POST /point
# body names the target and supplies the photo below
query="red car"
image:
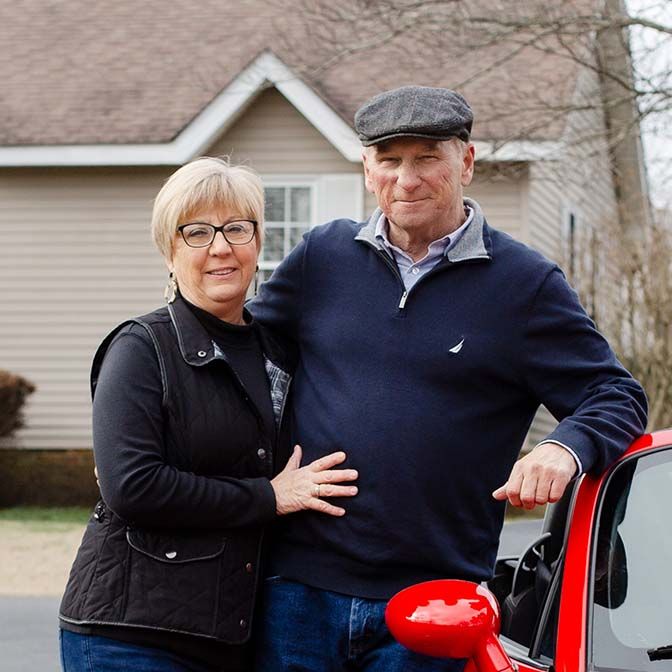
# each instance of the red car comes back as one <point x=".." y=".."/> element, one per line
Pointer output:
<point x="591" y="594"/>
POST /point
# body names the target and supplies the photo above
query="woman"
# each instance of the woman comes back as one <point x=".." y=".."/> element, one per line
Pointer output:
<point x="188" y="407"/>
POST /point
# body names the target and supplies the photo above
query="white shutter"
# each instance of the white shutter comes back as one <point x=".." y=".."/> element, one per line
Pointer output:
<point x="340" y="195"/>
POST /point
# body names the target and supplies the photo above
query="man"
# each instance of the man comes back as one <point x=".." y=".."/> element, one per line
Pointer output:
<point x="428" y="340"/>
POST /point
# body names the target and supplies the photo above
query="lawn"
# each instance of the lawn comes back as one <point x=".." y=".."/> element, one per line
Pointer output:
<point x="46" y="519"/>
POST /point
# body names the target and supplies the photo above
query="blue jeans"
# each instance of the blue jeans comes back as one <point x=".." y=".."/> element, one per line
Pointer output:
<point x="89" y="653"/>
<point x="304" y="629"/>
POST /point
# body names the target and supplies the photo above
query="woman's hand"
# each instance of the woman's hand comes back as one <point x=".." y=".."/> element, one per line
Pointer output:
<point x="298" y="488"/>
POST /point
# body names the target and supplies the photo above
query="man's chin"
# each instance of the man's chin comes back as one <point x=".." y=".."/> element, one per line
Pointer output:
<point x="408" y="220"/>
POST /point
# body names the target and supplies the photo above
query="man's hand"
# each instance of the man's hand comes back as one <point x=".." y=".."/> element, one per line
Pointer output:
<point x="539" y="477"/>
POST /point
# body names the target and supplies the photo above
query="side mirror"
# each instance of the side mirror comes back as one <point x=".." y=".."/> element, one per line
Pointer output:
<point x="449" y="619"/>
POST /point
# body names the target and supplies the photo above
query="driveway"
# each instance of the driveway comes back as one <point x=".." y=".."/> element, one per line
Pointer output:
<point x="28" y="634"/>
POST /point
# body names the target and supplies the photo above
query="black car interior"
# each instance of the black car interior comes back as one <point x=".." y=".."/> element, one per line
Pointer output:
<point x="522" y="584"/>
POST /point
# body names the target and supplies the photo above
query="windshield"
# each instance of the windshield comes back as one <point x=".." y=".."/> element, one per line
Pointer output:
<point x="632" y="572"/>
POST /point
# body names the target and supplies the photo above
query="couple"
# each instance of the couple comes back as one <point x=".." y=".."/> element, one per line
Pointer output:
<point x="425" y="342"/>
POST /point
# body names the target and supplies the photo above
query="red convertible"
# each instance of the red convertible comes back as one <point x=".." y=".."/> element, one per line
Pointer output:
<point x="591" y="594"/>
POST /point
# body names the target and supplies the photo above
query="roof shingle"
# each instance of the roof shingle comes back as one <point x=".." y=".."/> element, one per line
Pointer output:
<point x="77" y="72"/>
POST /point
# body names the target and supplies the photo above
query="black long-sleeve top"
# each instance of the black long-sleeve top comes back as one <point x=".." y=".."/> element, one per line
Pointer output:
<point x="125" y="400"/>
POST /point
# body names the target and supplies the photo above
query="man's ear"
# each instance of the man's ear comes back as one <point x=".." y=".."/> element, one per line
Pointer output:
<point x="468" y="163"/>
<point x="365" y="161"/>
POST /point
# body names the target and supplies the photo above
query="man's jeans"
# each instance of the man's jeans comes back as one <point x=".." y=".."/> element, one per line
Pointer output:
<point x="89" y="653"/>
<point x="304" y="629"/>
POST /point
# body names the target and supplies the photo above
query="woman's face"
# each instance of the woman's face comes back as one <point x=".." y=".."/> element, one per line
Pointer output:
<point x="215" y="278"/>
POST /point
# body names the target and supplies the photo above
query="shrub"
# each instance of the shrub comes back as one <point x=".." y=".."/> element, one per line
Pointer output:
<point x="13" y="392"/>
<point x="625" y="280"/>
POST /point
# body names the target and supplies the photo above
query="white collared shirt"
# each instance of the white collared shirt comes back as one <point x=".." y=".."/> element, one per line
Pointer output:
<point x="411" y="271"/>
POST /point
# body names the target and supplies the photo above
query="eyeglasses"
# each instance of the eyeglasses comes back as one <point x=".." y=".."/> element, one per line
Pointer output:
<point x="201" y="234"/>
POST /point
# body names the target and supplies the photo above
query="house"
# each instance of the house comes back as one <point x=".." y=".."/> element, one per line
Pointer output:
<point x="100" y="103"/>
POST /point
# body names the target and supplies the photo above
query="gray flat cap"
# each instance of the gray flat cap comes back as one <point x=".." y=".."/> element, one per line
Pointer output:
<point x="416" y="111"/>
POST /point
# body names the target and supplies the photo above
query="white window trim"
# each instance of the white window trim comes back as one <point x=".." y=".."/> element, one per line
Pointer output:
<point x="322" y="209"/>
<point x="290" y="182"/>
<point x="321" y="184"/>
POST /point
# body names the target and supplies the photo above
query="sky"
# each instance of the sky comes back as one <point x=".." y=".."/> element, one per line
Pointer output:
<point x="652" y="52"/>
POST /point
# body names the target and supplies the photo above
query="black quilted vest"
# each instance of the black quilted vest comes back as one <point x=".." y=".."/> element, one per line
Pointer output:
<point x="198" y="582"/>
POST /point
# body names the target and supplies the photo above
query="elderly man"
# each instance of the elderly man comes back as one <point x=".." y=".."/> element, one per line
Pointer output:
<point x="428" y="340"/>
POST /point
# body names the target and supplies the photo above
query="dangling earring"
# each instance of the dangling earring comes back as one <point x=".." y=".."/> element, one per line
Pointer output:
<point x="170" y="292"/>
<point x="256" y="279"/>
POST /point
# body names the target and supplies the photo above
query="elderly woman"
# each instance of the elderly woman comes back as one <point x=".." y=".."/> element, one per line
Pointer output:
<point x="188" y="410"/>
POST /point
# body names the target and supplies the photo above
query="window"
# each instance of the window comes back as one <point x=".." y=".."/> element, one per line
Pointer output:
<point x="581" y="257"/>
<point x="296" y="203"/>
<point x="631" y="568"/>
<point x="289" y="214"/>
<point x="570" y="243"/>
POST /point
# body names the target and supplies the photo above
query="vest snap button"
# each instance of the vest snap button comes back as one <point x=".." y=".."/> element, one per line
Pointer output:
<point x="261" y="453"/>
<point x="243" y="623"/>
<point x="202" y="353"/>
<point x="248" y="568"/>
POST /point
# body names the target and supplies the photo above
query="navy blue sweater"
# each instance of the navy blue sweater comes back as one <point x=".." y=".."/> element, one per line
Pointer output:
<point x="432" y="426"/>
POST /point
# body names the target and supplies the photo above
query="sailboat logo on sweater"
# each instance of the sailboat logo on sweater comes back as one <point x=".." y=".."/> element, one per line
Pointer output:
<point x="456" y="348"/>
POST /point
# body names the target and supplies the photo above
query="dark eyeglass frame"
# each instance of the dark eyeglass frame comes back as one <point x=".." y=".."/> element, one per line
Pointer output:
<point x="221" y="229"/>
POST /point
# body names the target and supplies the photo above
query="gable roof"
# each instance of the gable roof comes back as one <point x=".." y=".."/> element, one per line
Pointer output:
<point x="155" y="83"/>
<point x="213" y="120"/>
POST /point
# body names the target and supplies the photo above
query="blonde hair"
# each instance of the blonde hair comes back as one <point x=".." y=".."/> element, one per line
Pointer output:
<point x="203" y="184"/>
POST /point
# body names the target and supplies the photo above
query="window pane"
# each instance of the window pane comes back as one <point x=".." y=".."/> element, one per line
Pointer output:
<point x="274" y="248"/>
<point x="288" y="216"/>
<point x="295" y="235"/>
<point x="275" y="204"/>
<point x="631" y="585"/>
<point x="300" y="204"/>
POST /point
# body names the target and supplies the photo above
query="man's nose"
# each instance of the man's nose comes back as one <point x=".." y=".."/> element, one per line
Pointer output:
<point x="408" y="178"/>
<point x="219" y="244"/>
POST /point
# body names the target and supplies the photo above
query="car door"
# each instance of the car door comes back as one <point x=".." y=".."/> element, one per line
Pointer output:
<point x="605" y="603"/>
<point x="631" y="568"/>
<point x="616" y="584"/>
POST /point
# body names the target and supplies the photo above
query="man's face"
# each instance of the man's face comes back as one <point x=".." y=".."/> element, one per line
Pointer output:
<point x="418" y="182"/>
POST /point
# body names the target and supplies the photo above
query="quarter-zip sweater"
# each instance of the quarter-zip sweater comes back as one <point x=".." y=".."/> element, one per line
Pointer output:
<point x="431" y="393"/>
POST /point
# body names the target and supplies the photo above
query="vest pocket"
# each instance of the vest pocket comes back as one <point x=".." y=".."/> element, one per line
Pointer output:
<point x="173" y="578"/>
<point x="176" y="548"/>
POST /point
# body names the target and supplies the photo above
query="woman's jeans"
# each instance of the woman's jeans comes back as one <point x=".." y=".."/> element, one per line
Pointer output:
<point x="89" y="653"/>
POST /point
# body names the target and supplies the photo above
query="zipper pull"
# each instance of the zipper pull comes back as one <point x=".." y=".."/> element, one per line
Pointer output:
<point x="404" y="296"/>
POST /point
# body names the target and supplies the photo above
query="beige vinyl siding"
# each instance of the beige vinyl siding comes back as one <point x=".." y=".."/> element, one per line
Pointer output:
<point x="545" y="227"/>
<point x="75" y="259"/>
<point x="581" y="183"/>
<point x="546" y="209"/>
<point x="274" y="137"/>
<point x="500" y="192"/>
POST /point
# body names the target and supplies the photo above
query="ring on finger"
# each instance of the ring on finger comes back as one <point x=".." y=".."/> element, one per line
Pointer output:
<point x="316" y="492"/>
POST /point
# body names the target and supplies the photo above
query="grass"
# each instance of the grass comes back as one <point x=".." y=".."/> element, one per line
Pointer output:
<point x="64" y="515"/>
